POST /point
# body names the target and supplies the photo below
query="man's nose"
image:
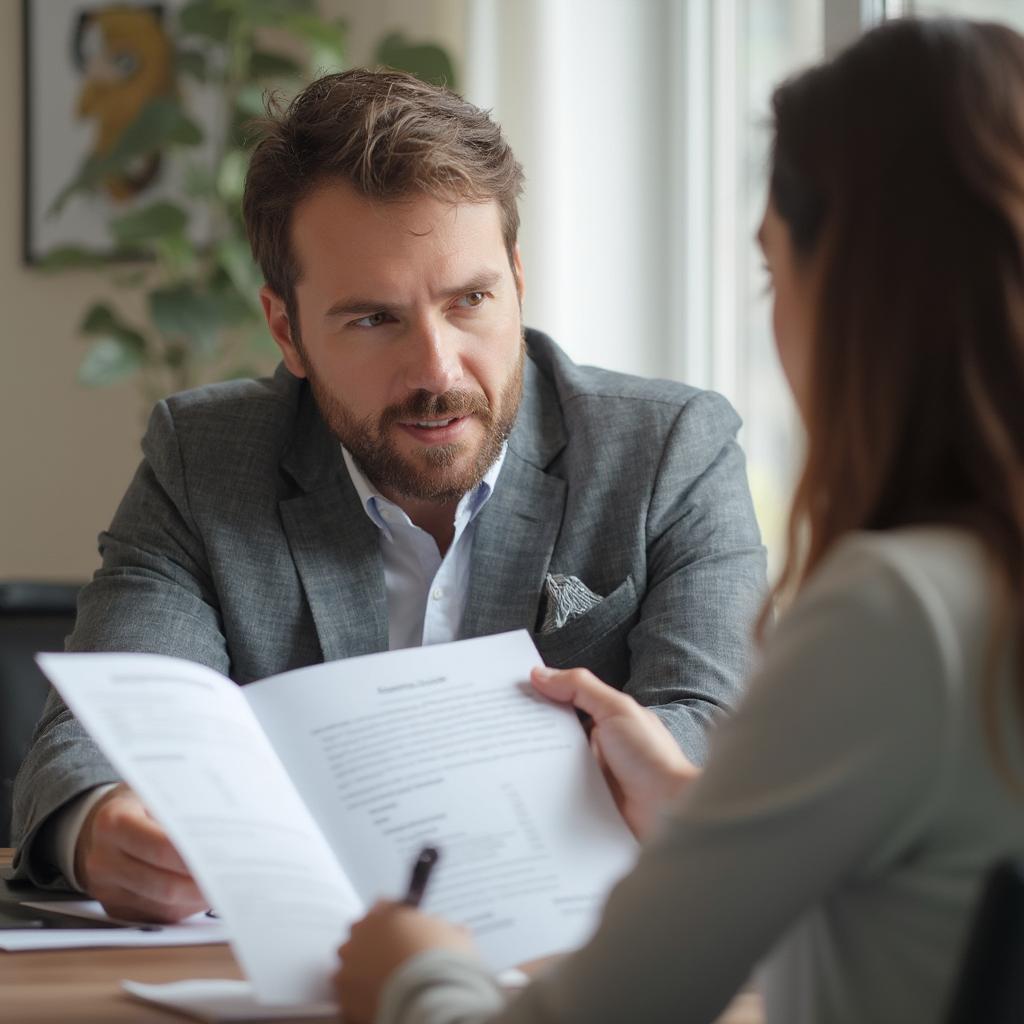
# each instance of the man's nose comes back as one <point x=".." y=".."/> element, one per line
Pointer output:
<point x="433" y="361"/>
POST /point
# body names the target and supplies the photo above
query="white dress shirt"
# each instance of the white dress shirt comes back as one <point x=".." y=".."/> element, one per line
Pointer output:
<point x="426" y="593"/>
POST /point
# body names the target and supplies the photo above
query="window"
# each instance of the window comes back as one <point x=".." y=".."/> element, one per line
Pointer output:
<point x="643" y="129"/>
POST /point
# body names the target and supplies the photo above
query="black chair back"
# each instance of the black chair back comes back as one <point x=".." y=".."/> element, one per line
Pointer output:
<point x="33" y="617"/>
<point x="990" y="989"/>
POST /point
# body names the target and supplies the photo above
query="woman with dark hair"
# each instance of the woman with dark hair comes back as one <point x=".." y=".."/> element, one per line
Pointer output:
<point x="850" y="809"/>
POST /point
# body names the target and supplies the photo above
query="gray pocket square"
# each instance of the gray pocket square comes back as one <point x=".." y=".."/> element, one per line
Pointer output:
<point x="565" y="598"/>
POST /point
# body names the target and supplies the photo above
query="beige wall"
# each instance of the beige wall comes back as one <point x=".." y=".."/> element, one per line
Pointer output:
<point x="67" y="453"/>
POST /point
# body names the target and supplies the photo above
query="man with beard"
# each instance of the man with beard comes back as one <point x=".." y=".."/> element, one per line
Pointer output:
<point x="419" y="469"/>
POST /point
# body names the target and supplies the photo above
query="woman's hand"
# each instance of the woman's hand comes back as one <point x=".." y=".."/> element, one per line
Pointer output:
<point x="390" y="934"/>
<point x="643" y="765"/>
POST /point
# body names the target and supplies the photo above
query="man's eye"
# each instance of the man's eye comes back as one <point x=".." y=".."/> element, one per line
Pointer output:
<point x="472" y="299"/>
<point x="373" y="320"/>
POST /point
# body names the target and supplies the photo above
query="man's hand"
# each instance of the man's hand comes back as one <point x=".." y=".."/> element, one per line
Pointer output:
<point x="124" y="859"/>
<point x="641" y="761"/>
<point x="390" y="934"/>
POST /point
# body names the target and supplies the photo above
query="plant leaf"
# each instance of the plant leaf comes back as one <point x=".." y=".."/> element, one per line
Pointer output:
<point x="108" y="360"/>
<point x="231" y="307"/>
<point x="249" y="101"/>
<point x="102" y="319"/>
<point x="263" y="64"/>
<point x="327" y="40"/>
<point x="181" y="313"/>
<point x="185" y="314"/>
<point x="176" y="252"/>
<point x="206" y="18"/>
<point x="149" y="222"/>
<point x="426" y="61"/>
<point x="191" y="62"/>
<point x="261" y="340"/>
<point x="235" y="257"/>
<point x="186" y="132"/>
<point x="231" y="176"/>
<point x="99" y="319"/>
<point x="270" y="12"/>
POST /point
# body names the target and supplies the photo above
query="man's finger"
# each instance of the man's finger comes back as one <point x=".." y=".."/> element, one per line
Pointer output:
<point x="139" y="836"/>
<point x="583" y="690"/>
<point x="129" y="906"/>
<point x="151" y="885"/>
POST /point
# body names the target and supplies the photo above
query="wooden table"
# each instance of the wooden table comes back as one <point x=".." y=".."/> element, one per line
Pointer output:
<point x="82" y="986"/>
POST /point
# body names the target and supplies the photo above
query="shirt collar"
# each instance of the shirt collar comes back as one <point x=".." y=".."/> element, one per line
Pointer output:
<point x="372" y="500"/>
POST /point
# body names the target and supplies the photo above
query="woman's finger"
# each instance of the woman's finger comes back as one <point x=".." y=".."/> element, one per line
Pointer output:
<point x="581" y="688"/>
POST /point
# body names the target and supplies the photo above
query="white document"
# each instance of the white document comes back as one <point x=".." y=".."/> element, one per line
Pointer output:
<point x="221" y="999"/>
<point x="217" y="1000"/>
<point x="445" y="745"/>
<point x="198" y="930"/>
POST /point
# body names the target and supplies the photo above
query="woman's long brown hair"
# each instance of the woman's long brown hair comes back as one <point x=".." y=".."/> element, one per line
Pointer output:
<point x="899" y="166"/>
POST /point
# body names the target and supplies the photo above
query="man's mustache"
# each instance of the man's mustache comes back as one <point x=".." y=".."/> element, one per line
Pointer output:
<point x="423" y="405"/>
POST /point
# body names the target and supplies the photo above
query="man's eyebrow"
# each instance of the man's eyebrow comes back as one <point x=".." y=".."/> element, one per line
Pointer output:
<point x="362" y="306"/>
<point x="348" y="307"/>
<point x="480" y="283"/>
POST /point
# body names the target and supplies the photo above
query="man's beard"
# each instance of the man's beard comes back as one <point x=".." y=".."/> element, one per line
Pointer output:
<point x="436" y="478"/>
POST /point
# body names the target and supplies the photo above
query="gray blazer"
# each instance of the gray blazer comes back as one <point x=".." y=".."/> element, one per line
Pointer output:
<point x="241" y="544"/>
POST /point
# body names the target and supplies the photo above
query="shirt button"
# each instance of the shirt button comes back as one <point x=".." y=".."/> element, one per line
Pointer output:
<point x="385" y="513"/>
<point x="437" y="593"/>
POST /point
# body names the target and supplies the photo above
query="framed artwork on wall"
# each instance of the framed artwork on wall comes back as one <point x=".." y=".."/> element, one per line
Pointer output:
<point x="91" y="68"/>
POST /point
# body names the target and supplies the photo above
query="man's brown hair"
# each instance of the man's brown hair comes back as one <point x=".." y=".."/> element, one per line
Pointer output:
<point x="386" y="134"/>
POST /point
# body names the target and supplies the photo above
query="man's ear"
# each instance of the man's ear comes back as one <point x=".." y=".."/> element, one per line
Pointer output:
<point x="281" y="330"/>
<point x="517" y="270"/>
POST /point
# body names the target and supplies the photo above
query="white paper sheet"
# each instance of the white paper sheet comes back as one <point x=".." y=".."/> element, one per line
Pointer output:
<point x="445" y="745"/>
<point x="449" y="745"/>
<point x="184" y="738"/>
<point x="198" y="930"/>
<point x="222" y="999"/>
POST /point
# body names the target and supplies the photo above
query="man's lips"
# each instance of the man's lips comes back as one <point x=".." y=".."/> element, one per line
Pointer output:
<point x="443" y="430"/>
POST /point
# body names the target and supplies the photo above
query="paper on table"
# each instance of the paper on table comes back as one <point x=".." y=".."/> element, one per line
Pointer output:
<point x="222" y="999"/>
<point x="92" y="910"/>
<point x="198" y="930"/>
<point x="184" y="738"/>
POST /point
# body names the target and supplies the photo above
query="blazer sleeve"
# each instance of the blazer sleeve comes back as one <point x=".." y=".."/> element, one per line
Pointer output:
<point x="153" y="594"/>
<point x="690" y="649"/>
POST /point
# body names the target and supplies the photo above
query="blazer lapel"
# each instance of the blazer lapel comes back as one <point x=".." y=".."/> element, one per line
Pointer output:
<point x="335" y="547"/>
<point x="514" y="536"/>
<point x="516" y="530"/>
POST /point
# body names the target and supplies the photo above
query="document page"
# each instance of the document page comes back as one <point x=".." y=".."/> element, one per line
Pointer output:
<point x="185" y="740"/>
<point x="449" y="745"/>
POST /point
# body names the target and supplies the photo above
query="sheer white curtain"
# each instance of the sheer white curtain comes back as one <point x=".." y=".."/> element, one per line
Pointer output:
<point x="581" y="87"/>
<point x="1009" y="12"/>
<point x="642" y="125"/>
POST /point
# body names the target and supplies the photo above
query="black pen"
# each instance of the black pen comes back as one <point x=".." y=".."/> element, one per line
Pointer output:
<point x="421" y="870"/>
